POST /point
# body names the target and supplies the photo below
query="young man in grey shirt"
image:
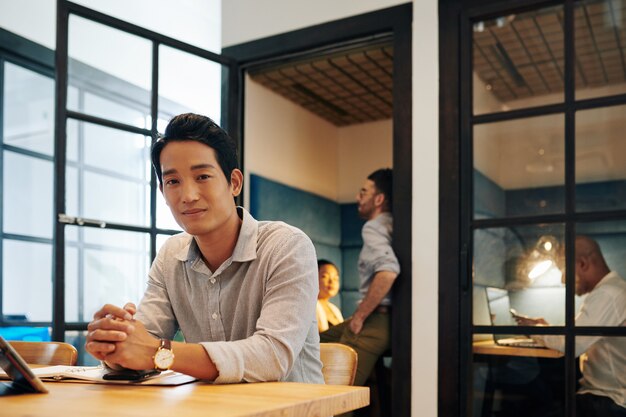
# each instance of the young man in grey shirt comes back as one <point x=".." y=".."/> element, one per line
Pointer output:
<point x="242" y="292"/>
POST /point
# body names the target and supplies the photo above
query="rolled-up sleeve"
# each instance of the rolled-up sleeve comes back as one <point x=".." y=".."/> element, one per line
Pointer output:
<point x="381" y="254"/>
<point x="287" y="315"/>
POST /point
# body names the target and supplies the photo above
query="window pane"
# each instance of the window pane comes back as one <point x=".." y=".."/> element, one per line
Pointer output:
<point x="603" y="273"/>
<point x="600" y="167"/>
<point x="28" y="202"/>
<point x="197" y="22"/>
<point x="600" y="30"/>
<point x="160" y="241"/>
<point x="165" y="219"/>
<point x="519" y="167"/>
<point x="188" y="83"/>
<point x="113" y="69"/>
<point x="511" y="385"/>
<point x="518" y="268"/>
<point x="28" y="109"/>
<point x="110" y="180"/>
<point x="116" y="200"/>
<point x="107" y="266"/>
<point x="518" y="61"/>
<point x="78" y="339"/>
<point x="27" y="285"/>
<point x="114" y="110"/>
<point x="116" y="151"/>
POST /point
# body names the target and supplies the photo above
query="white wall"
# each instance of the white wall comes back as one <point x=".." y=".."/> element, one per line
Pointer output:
<point x="32" y="19"/>
<point x="245" y="20"/>
<point x="286" y="143"/>
<point x="363" y="148"/>
<point x="193" y="21"/>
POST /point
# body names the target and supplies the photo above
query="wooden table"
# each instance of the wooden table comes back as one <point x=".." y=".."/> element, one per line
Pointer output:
<point x="267" y="399"/>
<point x="489" y="347"/>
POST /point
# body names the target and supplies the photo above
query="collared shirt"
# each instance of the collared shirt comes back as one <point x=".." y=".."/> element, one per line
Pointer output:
<point x="603" y="360"/>
<point x="255" y="315"/>
<point x="377" y="254"/>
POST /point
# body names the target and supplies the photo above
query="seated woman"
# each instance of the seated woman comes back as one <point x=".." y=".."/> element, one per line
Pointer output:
<point x="327" y="313"/>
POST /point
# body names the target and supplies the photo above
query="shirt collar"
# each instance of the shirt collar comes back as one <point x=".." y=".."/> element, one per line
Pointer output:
<point x="245" y="249"/>
<point x="608" y="277"/>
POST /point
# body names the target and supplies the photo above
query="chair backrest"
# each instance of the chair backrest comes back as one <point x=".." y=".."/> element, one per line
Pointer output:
<point x="339" y="363"/>
<point x="46" y="353"/>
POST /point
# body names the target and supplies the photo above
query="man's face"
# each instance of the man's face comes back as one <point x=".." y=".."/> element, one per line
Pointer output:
<point x="366" y="199"/>
<point x="195" y="187"/>
<point x="329" y="281"/>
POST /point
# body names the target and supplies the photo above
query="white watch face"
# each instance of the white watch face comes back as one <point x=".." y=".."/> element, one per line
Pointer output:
<point x="164" y="359"/>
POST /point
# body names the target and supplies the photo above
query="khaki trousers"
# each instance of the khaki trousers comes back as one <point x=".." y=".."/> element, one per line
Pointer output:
<point x="370" y="343"/>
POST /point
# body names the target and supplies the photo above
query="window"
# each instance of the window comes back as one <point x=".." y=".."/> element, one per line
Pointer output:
<point x="540" y="148"/>
<point x="81" y="215"/>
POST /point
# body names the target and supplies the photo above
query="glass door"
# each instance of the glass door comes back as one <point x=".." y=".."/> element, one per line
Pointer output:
<point x="544" y="191"/>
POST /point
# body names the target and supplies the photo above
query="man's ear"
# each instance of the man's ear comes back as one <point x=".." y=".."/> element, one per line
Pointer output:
<point x="236" y="182"/>
<point x="582" y="263"/>
<point x="379" y="199"/>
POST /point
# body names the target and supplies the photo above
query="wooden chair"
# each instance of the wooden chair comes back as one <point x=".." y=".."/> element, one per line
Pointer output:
<point x="46" y="353"/>
<point x="339" y="363"/>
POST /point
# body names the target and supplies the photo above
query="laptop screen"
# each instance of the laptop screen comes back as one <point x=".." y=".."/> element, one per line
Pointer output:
<point x="499" y="304"/>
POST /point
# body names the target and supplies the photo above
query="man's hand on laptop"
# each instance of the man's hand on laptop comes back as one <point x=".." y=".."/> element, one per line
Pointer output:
<point x="530" y="321"/>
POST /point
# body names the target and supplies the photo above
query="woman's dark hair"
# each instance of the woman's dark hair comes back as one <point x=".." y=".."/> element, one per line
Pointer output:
<point x="190" y="126"/>
<point x="322" y="262"/>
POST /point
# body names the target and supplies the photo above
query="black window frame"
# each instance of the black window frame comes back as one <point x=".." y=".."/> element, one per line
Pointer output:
<point x="54" y="64"/>
<point x="457" y="222"/>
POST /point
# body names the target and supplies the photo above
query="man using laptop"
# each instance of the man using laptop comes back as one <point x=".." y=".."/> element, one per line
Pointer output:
<point x="603" y="360"/>
<point x="242" y="292"/>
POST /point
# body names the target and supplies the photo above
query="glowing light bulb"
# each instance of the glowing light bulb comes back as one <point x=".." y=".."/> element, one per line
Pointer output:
<point x="539" y="269"/>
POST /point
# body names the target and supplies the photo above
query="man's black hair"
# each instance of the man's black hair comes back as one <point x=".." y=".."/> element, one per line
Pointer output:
<point x="383" y="180"/>
<point x="190" y="126"/>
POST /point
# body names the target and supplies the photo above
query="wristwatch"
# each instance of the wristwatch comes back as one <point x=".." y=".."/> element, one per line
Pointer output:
<point x="164" y="356"/>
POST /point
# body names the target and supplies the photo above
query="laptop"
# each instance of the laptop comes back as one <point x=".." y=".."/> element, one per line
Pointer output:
<point x="499" y="306"/>
<point x="23" y="379"/>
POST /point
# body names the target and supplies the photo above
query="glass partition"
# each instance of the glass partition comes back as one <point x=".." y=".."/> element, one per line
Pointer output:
<point x="110" y="181"/>
<point x="188" y="83"/>
<point x="519" y="269"/>
<point x="600" y="30"/>
<point x="112" y="70"/>
<point x="600" y="166"/>
<point x="518" y="60"/>
<point x="104" y="266"/>
<point x="519" y="167"/>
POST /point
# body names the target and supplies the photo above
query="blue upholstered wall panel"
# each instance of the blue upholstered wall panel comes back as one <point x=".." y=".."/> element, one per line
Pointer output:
<point x="326" y="222"/>
<point x="318" y="217"/>
<point x="605" y="195"/>
<point x="351" y="225"/>
<point x="489" y="198"/>
<point x="351" y="243"/>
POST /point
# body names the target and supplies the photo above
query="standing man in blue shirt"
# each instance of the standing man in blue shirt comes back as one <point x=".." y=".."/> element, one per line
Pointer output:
<point x="368" y="330"/>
